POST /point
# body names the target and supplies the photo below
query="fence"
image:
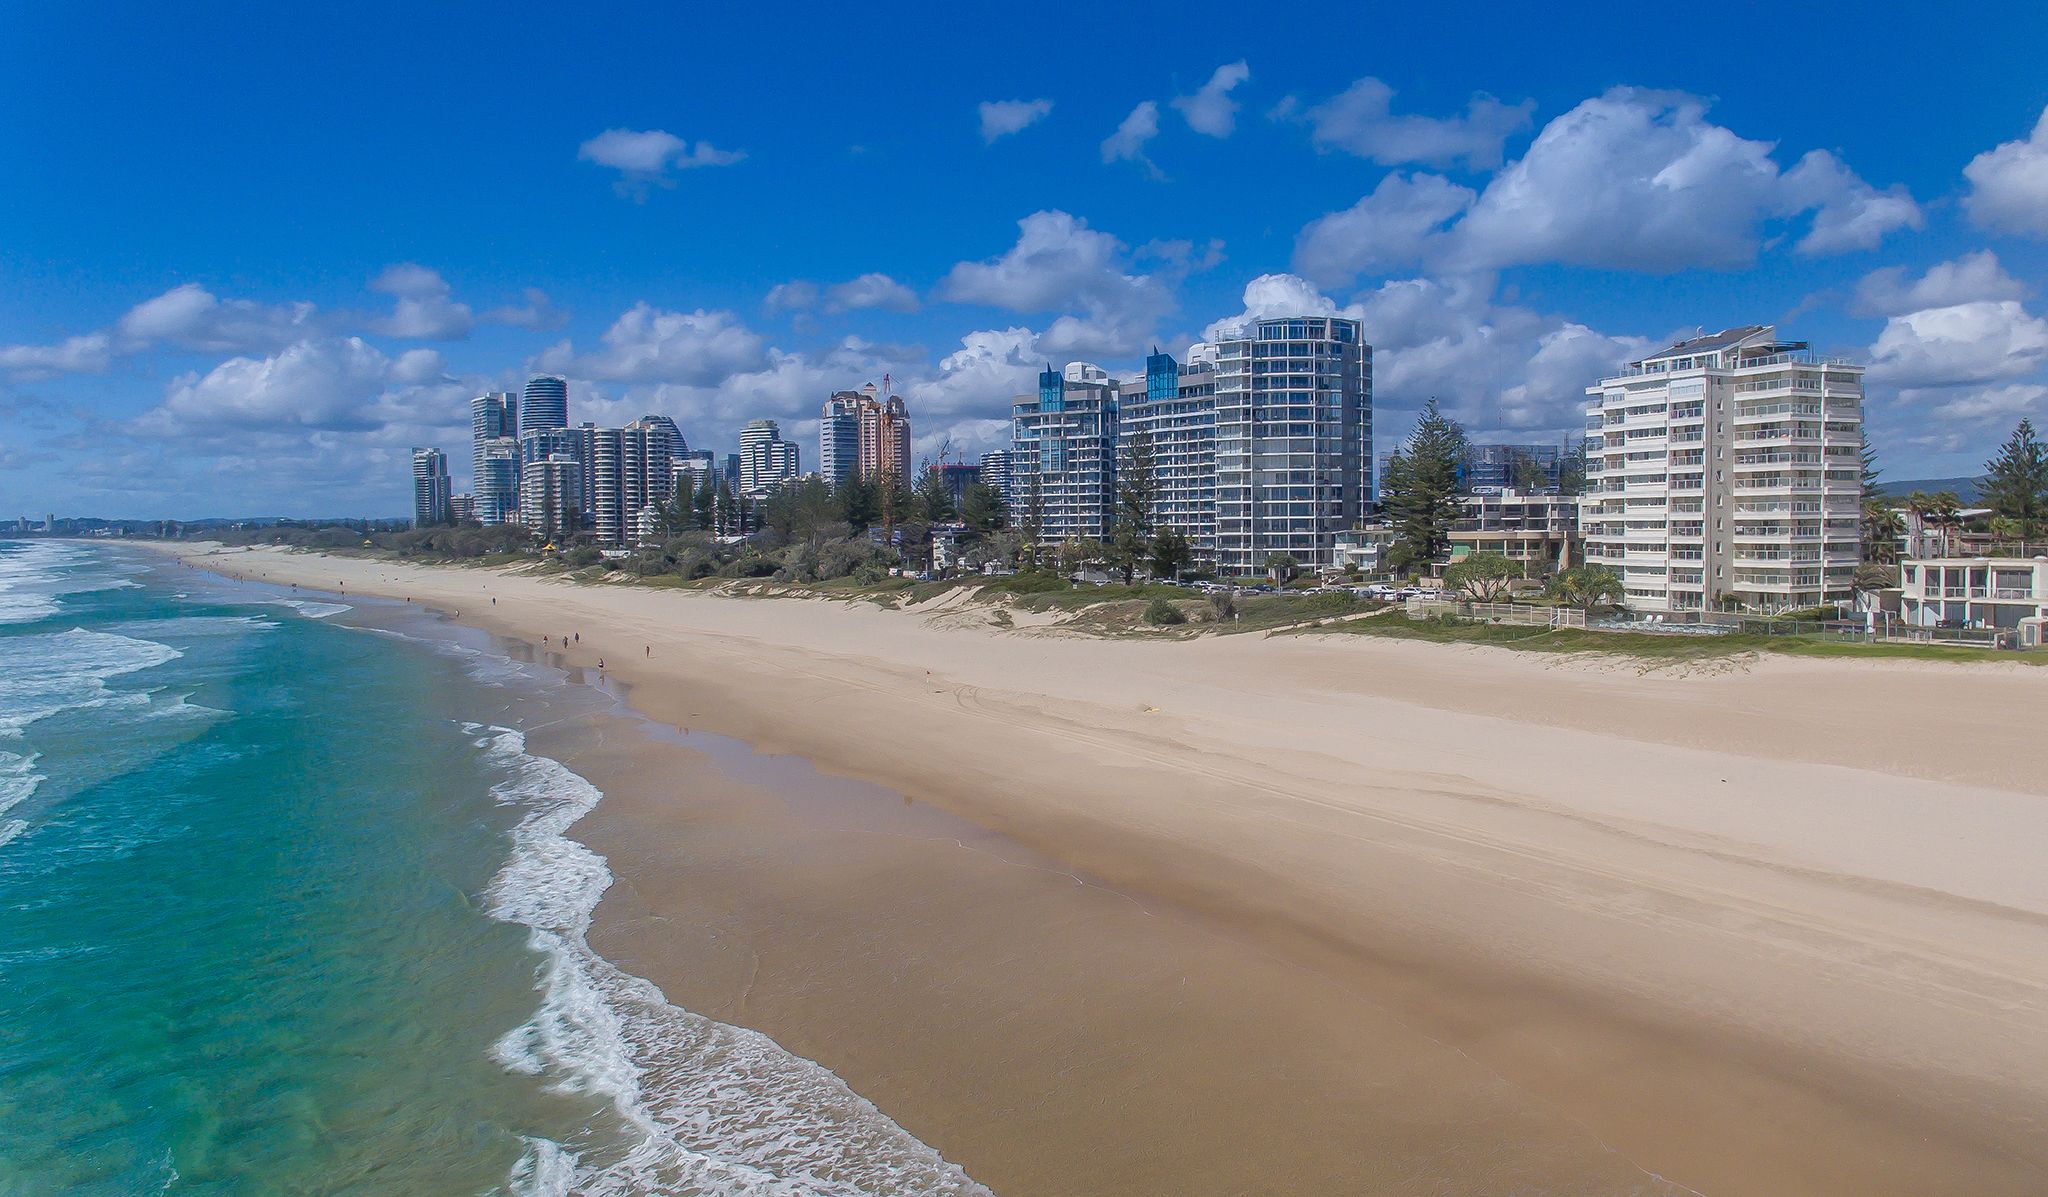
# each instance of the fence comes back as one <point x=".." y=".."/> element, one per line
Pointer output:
<point x="1712" y="623"/>
<point x="1515" y="613"/>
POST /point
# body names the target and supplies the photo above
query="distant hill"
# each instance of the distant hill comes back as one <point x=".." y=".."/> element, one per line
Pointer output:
<point x="1965" y="488"/>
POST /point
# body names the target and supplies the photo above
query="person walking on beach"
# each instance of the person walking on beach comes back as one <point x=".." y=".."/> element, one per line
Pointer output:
<point x="650" y="650"/>
<point x="600" y="664"/>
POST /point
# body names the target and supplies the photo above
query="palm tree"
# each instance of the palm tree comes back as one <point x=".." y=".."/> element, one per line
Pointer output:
<point x="1946" y="513"/>
<point x="1917" y="505"/>
<point x="1882" y="529"/>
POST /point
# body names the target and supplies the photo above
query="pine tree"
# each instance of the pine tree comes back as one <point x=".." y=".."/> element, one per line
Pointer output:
<point x="1420" y="491"/>
<point x="932" y="504"/>
<point x="1171" y="553"/>
<point x="1571" y="470"/>
<point x="859" y="505"/>
<point x="725" y="511"/>
<point x="895" y="501"/>
<point x="981" y="509"/>
<point x="1875" y="528"/>
<point x="2016" y="482"/>
<point x="1136" y="482"/>
<point x="704" y="505"/>
<point x="1034" y="520"/>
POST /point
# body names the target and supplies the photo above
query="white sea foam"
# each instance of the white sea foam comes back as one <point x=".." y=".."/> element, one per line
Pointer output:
<point x="18" y="780"/>
<point x="709" y="1108"/>
<point x="28" y="581"/>
<point x="35" y="576"/>
<point x="488" y="668"/>
<point x="65" y="671"/>
<point x="311" y="609"/>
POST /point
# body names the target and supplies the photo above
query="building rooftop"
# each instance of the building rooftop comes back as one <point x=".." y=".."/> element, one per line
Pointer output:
<point x="1712" y="342"/>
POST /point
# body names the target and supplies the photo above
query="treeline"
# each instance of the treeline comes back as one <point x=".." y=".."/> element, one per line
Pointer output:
<point x="806" y="531"/>
<point x="809" y="531"/>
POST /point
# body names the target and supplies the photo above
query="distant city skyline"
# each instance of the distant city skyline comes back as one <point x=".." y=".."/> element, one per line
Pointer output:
<point x="322" y="279"/>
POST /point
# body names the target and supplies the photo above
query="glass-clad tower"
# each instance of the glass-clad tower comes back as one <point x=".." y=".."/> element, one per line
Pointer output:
<point x="493" y="415"/>
<point x="839" y="437"/>
<point x="429" y="487"/>
<point x="547" y="403"/>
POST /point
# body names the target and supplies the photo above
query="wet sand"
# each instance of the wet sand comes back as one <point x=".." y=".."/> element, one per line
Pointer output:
<point x="1314" y="915"/>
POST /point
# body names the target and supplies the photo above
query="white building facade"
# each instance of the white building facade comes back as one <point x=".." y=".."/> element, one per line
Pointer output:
<point x="1173" y="410"/>
<point x="430" y="493"/>
<point x="839" y="436"/>
<point x="496" y="485"/>
<point x="1973" y="592"/>
<point x="766" y="460"/>
<point x="1063" y="455"/>
<point x="1726" y="471"/>
<point x="1293" y="405"/>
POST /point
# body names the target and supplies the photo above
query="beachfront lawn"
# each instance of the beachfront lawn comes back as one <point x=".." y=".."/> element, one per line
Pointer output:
<point x="1654" y="646"/>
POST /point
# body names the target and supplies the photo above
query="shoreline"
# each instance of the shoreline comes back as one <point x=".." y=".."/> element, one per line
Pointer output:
<point x="1739" y="970"/>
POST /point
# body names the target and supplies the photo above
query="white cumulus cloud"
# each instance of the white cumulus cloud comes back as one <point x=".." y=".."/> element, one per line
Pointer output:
<point x="1211" y="111"/>
<point x="644" y="157"/>
<point x="1403" y="222"/>
<point x="316" y="384"/>
<point x="1629" y="180"/>
<point x="192" y="317"/>
<point x="425" y="309"/>
<point x="1127" y="144"/>
<point x="870" y="291"/>
<point x="89" y="353"/>
<point x="1972" y="277"/>
<point x="537" y="312"/>
<point x="1848" y="213"/>
<point x="1059" y="264"/>
<point x="2009" y="184"/>
<point x="1360" y="120"/>
<point x="649" y="345"/>
<point x="1959" y="345"/>
<point x="1000" y="118"/>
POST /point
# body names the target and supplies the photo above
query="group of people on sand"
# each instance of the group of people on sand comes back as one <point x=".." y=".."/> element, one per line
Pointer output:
<point x="577" y="638"/>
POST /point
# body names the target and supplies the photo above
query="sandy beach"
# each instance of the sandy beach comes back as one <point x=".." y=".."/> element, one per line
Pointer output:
<point x="1327" y="914"/>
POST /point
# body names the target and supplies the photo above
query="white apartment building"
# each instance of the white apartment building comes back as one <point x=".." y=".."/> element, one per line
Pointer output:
<point x="1063" y="460"/>
<point x="1726" y="471"/>
<point x="429" y="487"/>
<point x="1293" y="440"/>
<point x="1174" y="409"/>
<point x="766" y="460"/>
<point x="550" y="504"/>
<point x="1534" y="529"/>
<point x="839" y="435"/>
<point x="1974" y="592"/>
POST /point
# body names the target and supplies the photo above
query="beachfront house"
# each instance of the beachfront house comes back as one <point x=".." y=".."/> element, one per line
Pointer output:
<point x="1975" y="592"/>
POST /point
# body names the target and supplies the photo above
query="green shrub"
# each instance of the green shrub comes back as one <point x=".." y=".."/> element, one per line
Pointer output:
<point x="1162" y="612"/>
<point x="1030" y="581"/>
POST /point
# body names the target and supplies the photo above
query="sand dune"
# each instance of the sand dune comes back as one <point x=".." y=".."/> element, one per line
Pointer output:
<point x="1362" y="915"/>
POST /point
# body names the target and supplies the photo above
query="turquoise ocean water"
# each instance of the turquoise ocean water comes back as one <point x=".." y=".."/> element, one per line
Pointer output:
<point x="286" y="907"/>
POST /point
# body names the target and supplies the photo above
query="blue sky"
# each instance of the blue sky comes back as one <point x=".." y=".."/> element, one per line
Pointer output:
<point x="248" y="256"/>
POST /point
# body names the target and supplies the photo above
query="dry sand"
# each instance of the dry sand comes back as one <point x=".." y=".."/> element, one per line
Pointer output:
<point x="1335" y="914"/>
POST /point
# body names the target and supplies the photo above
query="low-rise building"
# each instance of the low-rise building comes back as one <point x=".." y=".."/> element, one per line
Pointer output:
<point x="1365" y="548"/>
<point x="1974" y="592"/>
<point x="1538" y="529"/>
